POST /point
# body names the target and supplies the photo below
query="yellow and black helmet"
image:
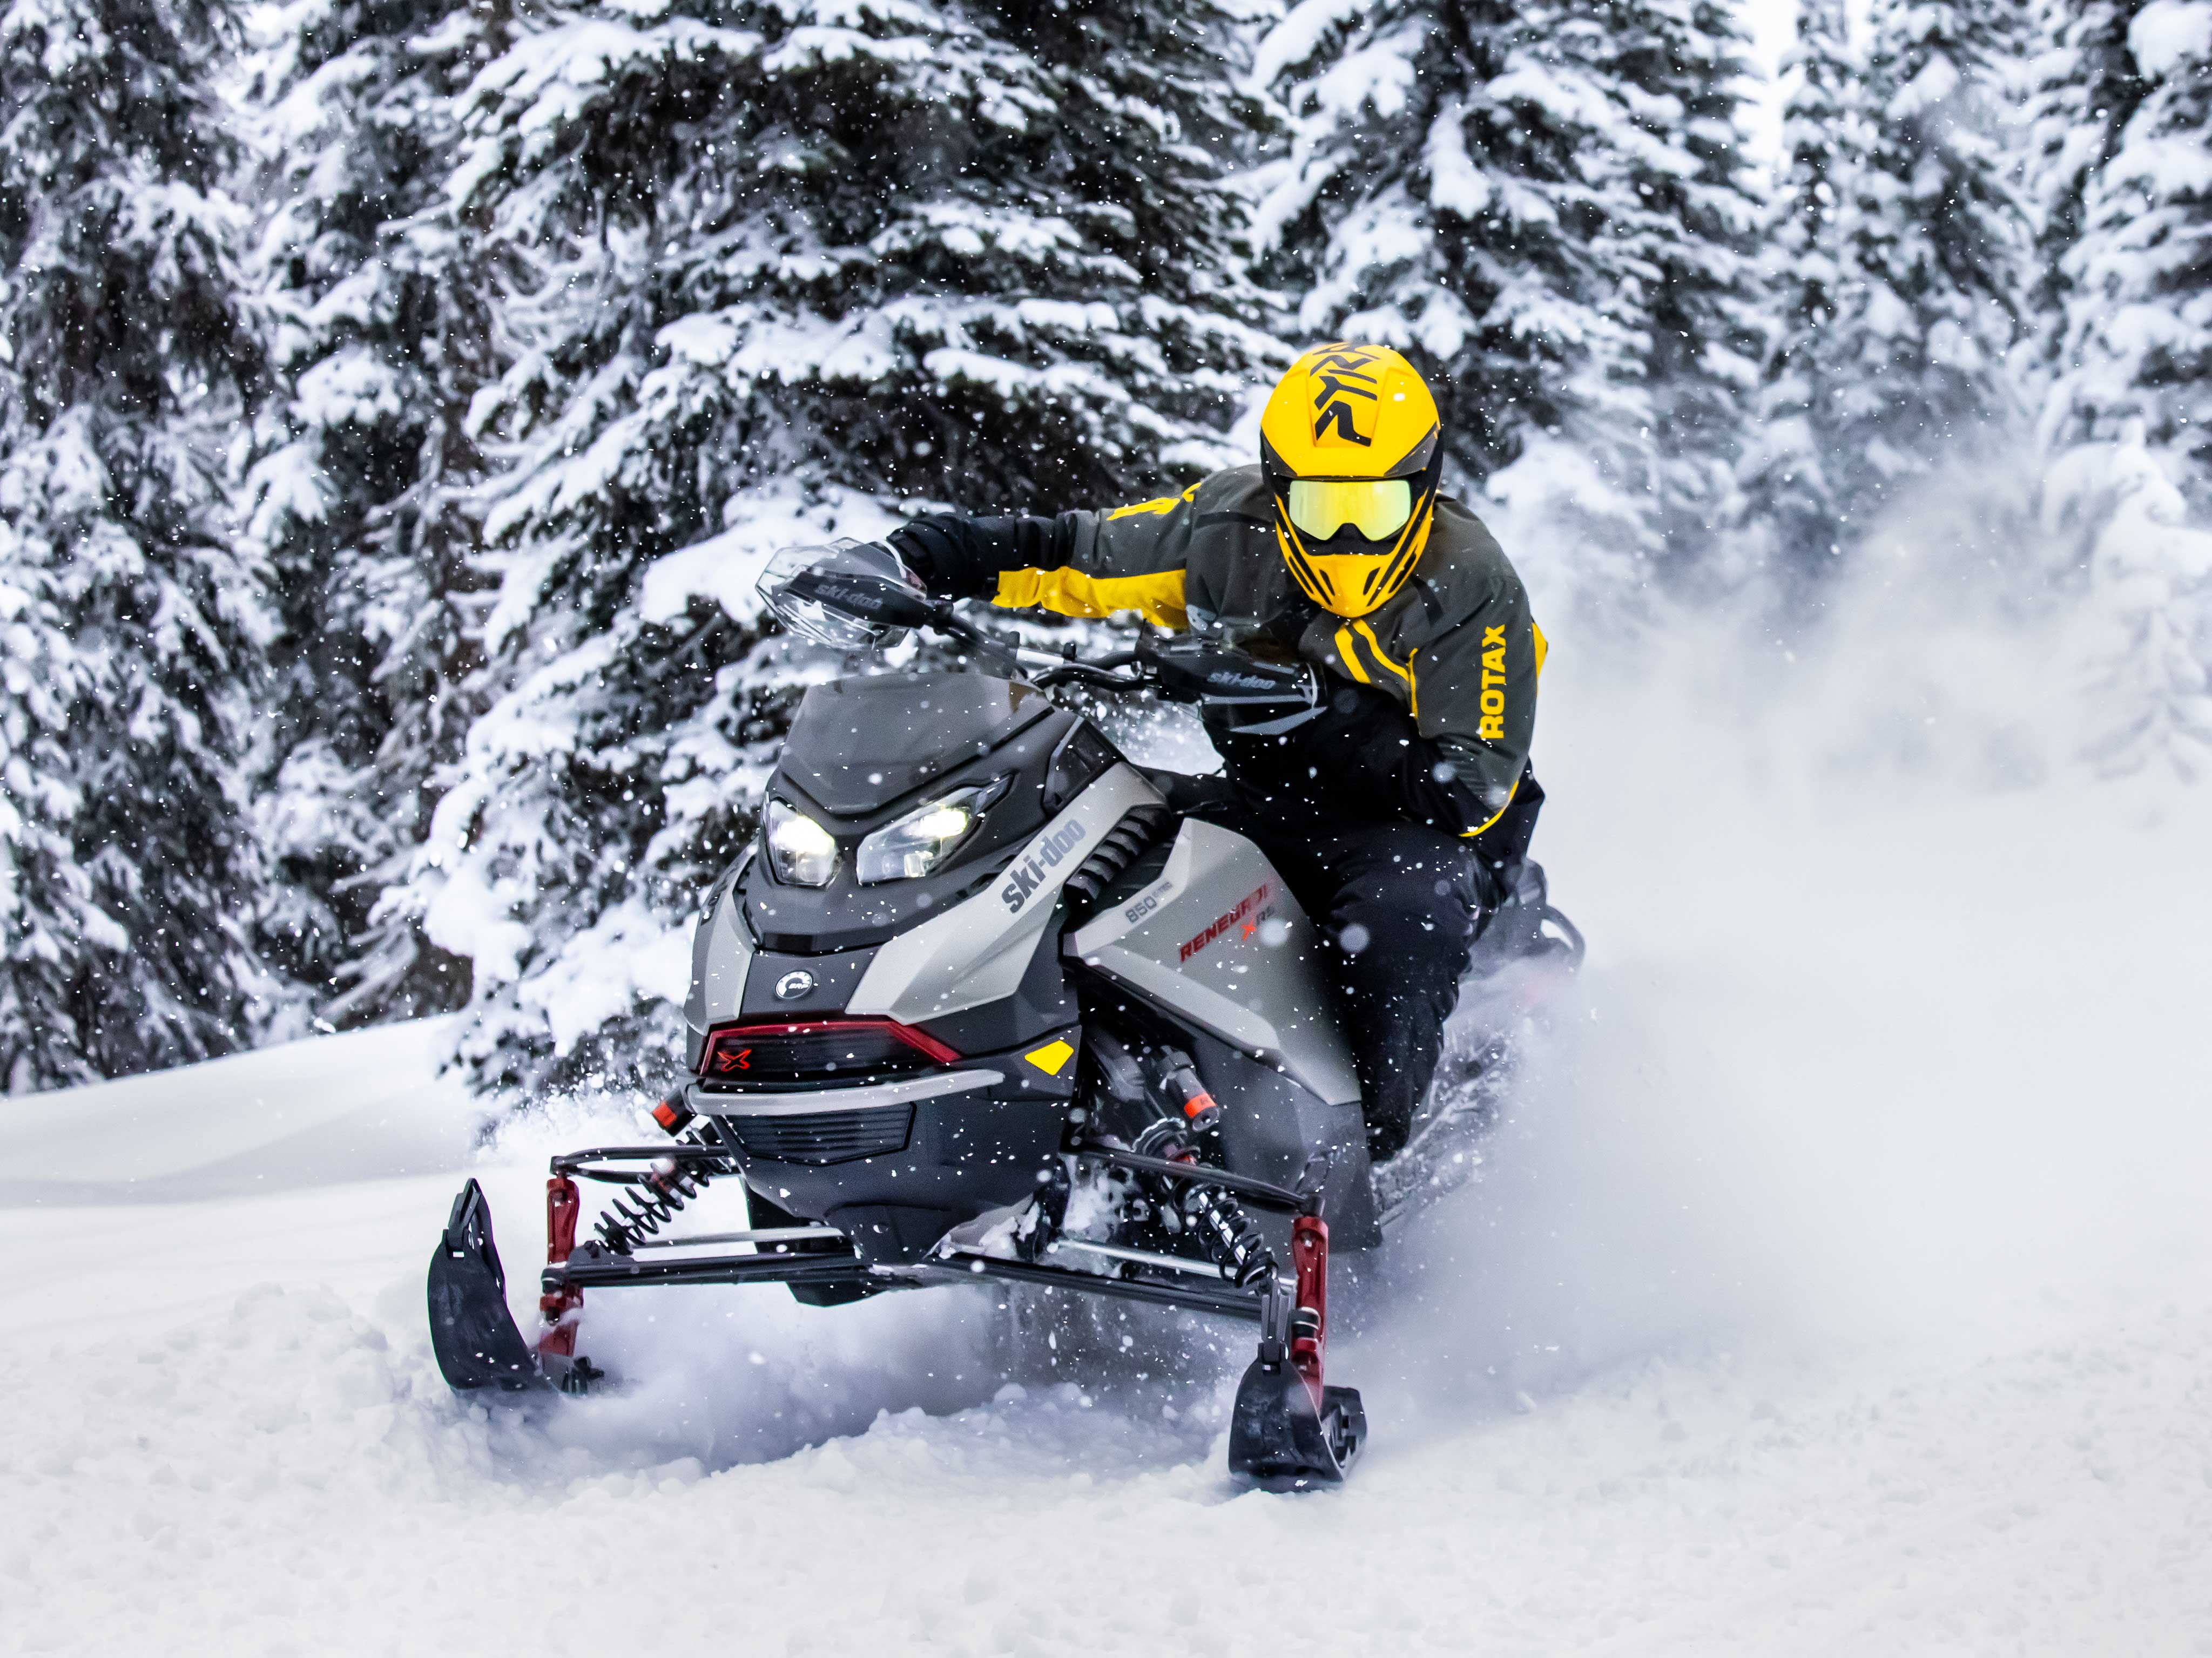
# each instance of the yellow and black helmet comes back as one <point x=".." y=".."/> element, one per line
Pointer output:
<point x="1349" y="443"/>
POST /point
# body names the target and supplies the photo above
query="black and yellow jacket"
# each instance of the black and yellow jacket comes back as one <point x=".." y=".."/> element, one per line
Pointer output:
<point x="1440" y="726"/>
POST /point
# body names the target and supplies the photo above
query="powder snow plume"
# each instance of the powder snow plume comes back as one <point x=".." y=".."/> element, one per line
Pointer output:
<point x="1890" y="1028"/>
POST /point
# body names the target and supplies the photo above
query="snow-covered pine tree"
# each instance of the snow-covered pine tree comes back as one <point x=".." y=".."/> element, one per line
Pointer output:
<point x="1934" y="253"/>
<point x="1790" y="476"/>
<point x="1684" y="248"/>
<point x="130" y="629"/>
<point x="2087" y="89"/>
<point x="379" y="340"/>
<point x="1545" y="202"/>
<point x="770" y="269"/>
<point x="2137" y="282"/>
<point x="1902" y="245"/>
<point x="2129" y="405"/>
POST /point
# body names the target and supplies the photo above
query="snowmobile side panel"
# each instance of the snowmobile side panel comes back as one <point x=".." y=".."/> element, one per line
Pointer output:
<point x="721" y="958"/>
<point x="1219" y="940"/>
<point x="1270" y="1126"/>
<point x="977" y="951"/>
<point x="1041" y="1002"/>
<point x="471" y="1332"/>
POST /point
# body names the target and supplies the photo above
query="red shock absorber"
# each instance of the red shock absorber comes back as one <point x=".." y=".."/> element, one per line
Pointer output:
<point x="1309" y="1321"/>
<point x="560" y="1308"/>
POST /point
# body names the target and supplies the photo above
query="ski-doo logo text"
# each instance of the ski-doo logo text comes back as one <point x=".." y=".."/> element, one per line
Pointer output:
<point x="1247" y="912"/>
<point x="1025" y="875"/>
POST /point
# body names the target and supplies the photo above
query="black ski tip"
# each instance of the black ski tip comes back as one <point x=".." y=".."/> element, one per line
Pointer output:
<point x="1281" y="1441"/>
<point x="472" y="1333"/>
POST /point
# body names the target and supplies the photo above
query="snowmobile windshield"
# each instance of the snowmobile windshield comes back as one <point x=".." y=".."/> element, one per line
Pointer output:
<point x="859" y="744"/>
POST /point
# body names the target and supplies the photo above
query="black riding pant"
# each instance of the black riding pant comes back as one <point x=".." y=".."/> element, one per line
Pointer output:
<point x="1399" y="905"/>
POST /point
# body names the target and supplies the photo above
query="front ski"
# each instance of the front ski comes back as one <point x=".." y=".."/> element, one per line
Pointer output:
<point x="1289" y="1431"/>
<point x="1282" y="1438"/>
<point x="471" y="1332"/>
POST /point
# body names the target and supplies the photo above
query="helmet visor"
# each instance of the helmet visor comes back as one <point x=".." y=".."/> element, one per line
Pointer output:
<point x="1376" y="507"/>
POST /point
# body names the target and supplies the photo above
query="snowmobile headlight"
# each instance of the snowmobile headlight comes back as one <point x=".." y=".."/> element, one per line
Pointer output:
<point x="800" y="850"/>
<point x="920" y="840"/>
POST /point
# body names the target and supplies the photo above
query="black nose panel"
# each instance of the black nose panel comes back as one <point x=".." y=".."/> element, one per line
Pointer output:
<point x="796" y="987"/>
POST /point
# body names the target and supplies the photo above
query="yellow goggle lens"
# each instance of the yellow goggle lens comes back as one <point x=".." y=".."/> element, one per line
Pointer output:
<point x="1376" y="507"/>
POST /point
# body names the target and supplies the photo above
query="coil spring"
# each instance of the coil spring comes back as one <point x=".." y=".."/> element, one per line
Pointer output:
<point x="1230" y="1236"/>
<point x="639" y="1211"/>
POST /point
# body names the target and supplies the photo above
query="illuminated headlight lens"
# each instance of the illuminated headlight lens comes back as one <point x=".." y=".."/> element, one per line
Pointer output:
<point x="800" y="850"/>
<point x="920" y="841"/>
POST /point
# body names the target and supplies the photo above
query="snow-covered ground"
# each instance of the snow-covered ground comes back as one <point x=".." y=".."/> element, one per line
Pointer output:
<point x="1840" y="1281"/>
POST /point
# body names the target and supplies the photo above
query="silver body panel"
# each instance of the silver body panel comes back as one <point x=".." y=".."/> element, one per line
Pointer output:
<point x="721" y="954"/>
<point x="976" y="952"/>
<point x="865" y="1097"/>
<point x="1219" y="940"/>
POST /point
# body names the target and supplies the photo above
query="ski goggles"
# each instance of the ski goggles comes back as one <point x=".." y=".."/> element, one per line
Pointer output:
<point x="1377" y="507"/>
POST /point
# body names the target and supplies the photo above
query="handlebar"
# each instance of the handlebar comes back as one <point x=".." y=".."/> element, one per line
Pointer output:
<point x="840" y="591"/>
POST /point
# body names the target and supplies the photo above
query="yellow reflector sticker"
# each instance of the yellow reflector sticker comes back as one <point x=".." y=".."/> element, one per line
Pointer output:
<point x="1051" y="1057"/>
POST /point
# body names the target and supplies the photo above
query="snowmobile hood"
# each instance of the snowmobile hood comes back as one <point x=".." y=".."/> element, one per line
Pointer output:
<point x="859" y="744"/>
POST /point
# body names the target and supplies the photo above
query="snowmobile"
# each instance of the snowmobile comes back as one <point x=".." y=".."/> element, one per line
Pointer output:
<point x="984" y="1000"/>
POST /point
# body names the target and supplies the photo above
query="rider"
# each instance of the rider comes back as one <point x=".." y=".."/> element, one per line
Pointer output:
<point x="1402" y="816"/>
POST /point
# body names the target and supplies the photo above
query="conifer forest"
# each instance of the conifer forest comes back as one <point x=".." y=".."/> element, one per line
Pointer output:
<point x="399" y="398"/>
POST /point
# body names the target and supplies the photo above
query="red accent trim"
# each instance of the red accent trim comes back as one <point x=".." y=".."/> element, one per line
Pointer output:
<point x="560" y="1309"/>
<point x="1310" y="1255"/>
<point x="920" y="1040"/>
<point x="670" y="1116"/>
<point x="1220" y="925"/>
<point x="1198" y="1104"/>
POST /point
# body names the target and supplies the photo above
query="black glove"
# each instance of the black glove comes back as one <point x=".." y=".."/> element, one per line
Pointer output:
<point x="962" y="557"/>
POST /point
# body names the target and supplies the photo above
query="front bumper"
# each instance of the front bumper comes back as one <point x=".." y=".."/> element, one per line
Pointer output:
<point x="895" y="1164"/>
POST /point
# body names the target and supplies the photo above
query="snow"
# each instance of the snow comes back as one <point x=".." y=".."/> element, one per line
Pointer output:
<point x="1457" y="186"/>
<point x="1771" y="25"/>
<point x="1838" y="1282"/>
<point x="627" y="956"/>
<point x="330" y="1110"/>
<point x="2169" y="36"/>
